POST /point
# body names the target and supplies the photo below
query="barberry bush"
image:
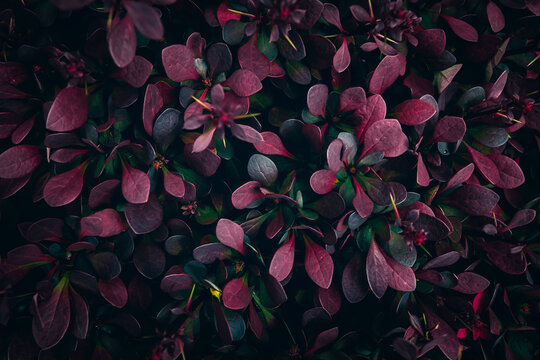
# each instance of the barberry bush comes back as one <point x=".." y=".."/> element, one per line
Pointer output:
<point x="269" y="179"/>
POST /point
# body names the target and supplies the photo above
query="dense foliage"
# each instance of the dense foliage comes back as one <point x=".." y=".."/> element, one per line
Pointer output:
<point x="272" y="179"/>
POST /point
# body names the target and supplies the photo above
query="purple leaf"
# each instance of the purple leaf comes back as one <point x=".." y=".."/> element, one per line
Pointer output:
<point x="330" y="13"/>
<point x="271" y="144"/>
<point x="500" y="253"/>
<point x="176" y="282"/>
<point x="324" y="338"/>
<point x="361" y="202"/>
<point x="316" y="99"/>
<point x="246" y="194"/>
<point x="330" y="299"/>
<point x="79" y="321"/>
<point x="323" y="181"/>
<point x="69" y="110"/>
<point x="459" y="177"/>
<point x="251" y="58"/>
<point x="68" y="5"/>
<point x="145" y="18"/>
<point x="449" y="129"/>
<point x="319" y="265"/>
<point x="444" y="260"/>
<point x="135" y="185"/>
<point x="450" y="345"/>
<point x="486" y="166"/>
<point x="246" y="133"/>
<point x="137" y="72"/>
<point x="173" y="184"/>
<point x="353" y="280"/>
<point x="231" y="234"/>
<point x="105" y="264"/>
<point x="376" y="270"/>
<point x="461" y="28"/>
<point x="208" y="253"/>
<point x="149" y="260"/>
<point x="510" y="174"/>
<point x="19" y="161"/>
<point x="333" y="155"/>
<point x="153" y="102"/>
<point x="498" y="87"/>
<point x="475" y="199"/>
<point x="178" y="63"/>
<point x="122" y="41"/>
<point x="342" y="58"/>
<point x="114" y="291"/>
<point x="388" y="70"/>
<point x="236" y="294"/>
<point x="243" y="83"/>
<point x="102" y="194"/>
<point x="103" y="223"/>
<point x="521" y="218"/>
<point x="431" y="42"/>
<point x="495" y="17"/>
<point x="382" y="136"/>
<point x="283" y="260"/>
<point x="414" y="112"/>
<point x="64" y="188"/>
<point x="422" y="175"/>
<point x="471" y="283"/>
<point x="144" y="218"/>
<point x="203" y="141"/>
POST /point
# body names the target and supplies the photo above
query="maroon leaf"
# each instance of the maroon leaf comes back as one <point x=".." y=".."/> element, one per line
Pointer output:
<point x="236" y="294"/>
<point x="122" y="41"/>
<point x="114" y="291"/>
<point x="461" y="28"/>
<point x="495" y="17"/>
<point x="382" y="136"/>
<point x="361" y="202"/>
<point x="246" y="194"/>
<point x="102" y="194"/>
<point x="255" y="323"/>
<point x="65" y="155"/>
<point x="399" y="277"/>
<point x="475" y="199"/>
<point x="173" y="184"/>
<point x="316" y="99"/>
<point x="144" y="218"/>
<point x="19" y="161"/>
<point x="352" y="99"/>
<point x="353" y="281"/>
<point x="510" y="174"/>
<point x="103" y="223"/>
<point x="319" y="265"/>
<point x="330" y="299"/>
<point x="106" y="264"/>
<point x="471" y="283"/>
<point x="414" y="112"/>
<point x="376" y="270"/>
<point x="149" y="260"/>
<point x="450" y="258"/>
<point x="486" y="166"/>
<point x="145" y="18"/>
<point x="243" y="83"/>
<point x="271" y="144"/>
<point x="450" y="345"/>
<point x="52" y="317"/>
<point x="79" y="321"/>
<point x="135" y="185"/>
<point x="137" y="72"/>
<point x="431" y="42"/>
<point x="69" y="110"/>
<point x="388" y="70"/>
<point x="251" y="58"/>
<point x="342" y="58"/>
<point x="283" y="260"/>
<point x="231" y="234"/>
<point x="176" y="282"/>
<point x="178" y="63"/>
<point x="460" y="177"/>
<point x="449" y="129"/>
<point x="521" y="218"/>
<point x="323" y="181"/>
<point x="153" y="102"/>
<point x="68" y="5"/>
<point x="64" y="188"/>
<point x="26" y="255"/>
<point x="422" y="175"/>
<point x="500" y="253"/>
<point x="222" y="324"/>
<point x="324" y="338"/>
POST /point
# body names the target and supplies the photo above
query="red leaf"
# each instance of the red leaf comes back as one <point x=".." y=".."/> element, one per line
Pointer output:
<point x="145" y="18"/>
<point x="122" y="41"/>
<point x="144" y="218"/>
<point x="422" y="175"/>
<point x="69" y="110"/>
<point x="271" y="144"/>
<point x="236" y="294"/>
<point x="342" y="58"/>
<point x="376" y="270"/>
<point x="103" y="223"/>
<point x="283" y="260"/>
<point x="460" y="177"/>
<point x="316" y="99"/>
<point x="153" y="102"/>
<point x="486" y="166"/>
<point x="173" y="184"/>
<point x="243" y="83"/>
<point x="19" y="161"/>
<point x="414" y="112"/>
<point x="79" y="322"/>
<point x="382" y="136"/>
<point x="52" y="317"/>
<point x="137" y="72"/>
<point x="388" y="70"/>
<point x="251" y="58"/>
<point x="319" y="265"/>
<point x="449" y="129"/>
<point x="64" y="188"/>
<point x="224" y="15"/>
<point x="471" y="283"/>
<point x="461" y="28"/>
<point x="178" y="63"/>
<point x="231" y="234"/>
<point x="135" y="185"/>
<point x="510" y="174"/>
<point x="246" y="194"/>
<point x="323" y="181"/>
<point x="330" y="299"/>
<point x="114" y="291"/>
<point x="495" y="17"/>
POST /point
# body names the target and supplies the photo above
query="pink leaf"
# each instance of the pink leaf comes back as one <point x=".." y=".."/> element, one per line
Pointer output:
<point x="510" y="174"/>
<point x="422" y="175"/>
<point x="271" y="144"/>
<point x="231" y="234"/>
<point x="137" y="72"/>
<point x="461" y="28"/>
<point x="69" y="110"/>
<point x="103" y="223"/>
<point x="323" y="181"/>
<point x="316" y="99"/>
<point x="64" y="188"/>
<point x="485" y="165"/>
<point x="246" y="194"/>
<point x="342" y="58"/>
<point x="203" y="141"/>
<point x="388" y="70"/>
<point x="19" y="161"/>
<point x="135" y="185"/>
<point x="251" y="58"/>
<point x="361" y="202"/>
<point x="236" y="294"/>
<point x="414" y="112"/>
<point x="243" y="83"/>
<point x="283" y="260"/>
<point x="178" y="63"/>
<point x="495" y="17"/>
<point x="173" y="184"/>
<point x="376" y="270"/>
<point x="319" y="265"/>
<point x="122" y="41"/>
<point x="246" y="133"/>
<point x="153" y="102"/>
<point x="145" y="18"/>
<point x="498" y="87"/>
<point x="382" y="136"/>
<point x="460" y="177"/>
